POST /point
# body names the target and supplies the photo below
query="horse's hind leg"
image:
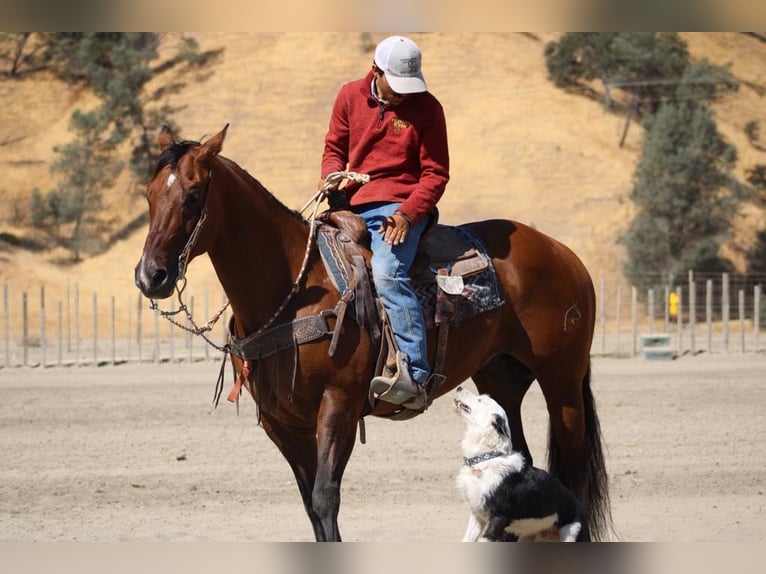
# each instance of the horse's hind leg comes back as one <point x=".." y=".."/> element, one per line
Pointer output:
<point x="507" y="381"/>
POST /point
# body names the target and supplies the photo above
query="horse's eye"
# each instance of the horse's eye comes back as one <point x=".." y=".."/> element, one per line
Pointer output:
<point x="191" y="199"/>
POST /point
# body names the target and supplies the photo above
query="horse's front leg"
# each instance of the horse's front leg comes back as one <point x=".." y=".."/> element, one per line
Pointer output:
<point x="336" y="434"/>
<point x="300" y="452"/>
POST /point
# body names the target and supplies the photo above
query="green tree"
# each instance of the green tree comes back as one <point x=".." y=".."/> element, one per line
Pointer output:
<point x="685" y="196"/>
<point x="644" y="65"/>
<point x="118" y="68"/>
<point x="85" y="166"/>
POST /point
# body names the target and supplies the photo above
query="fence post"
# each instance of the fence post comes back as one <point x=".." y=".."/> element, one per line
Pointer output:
<point x="68" y="319"/>
<point x="171" y="329"/>
<point x="60" y="324"/>
<point x="130" y="332"/>
<point x="77" y="323"/>
<point x="602" y="314"/>
<point x="6" y="327"/>
<point x="757" y="314"/>
<point x="114" y="333"/>
<point x="725" y="310"/>
<point x="138" y="327"/>
<point x="680" y="318"/>
<point x="709" y="313"/>
<point x="25" y="328"/>
<point x="692" y="316"/>
<point x="189" y="336"/>
<point x="741" y="305"/>
<point x="634" y="319"/>
<point x="618" y="314"/>
<point x="95" y="330"/>
<point x="43" y="338"/>
<point x="207" y="314"/>
<point x="156" y="337"/>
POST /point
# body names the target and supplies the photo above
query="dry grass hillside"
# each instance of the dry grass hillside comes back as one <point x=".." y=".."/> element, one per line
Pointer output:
<point x="520" y="148"/>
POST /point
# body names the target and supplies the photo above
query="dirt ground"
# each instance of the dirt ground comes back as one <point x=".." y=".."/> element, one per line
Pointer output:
<point x="135" y="453"/>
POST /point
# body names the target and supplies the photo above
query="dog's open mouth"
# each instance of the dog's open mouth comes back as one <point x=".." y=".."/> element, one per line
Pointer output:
<point x="461" y="406"/>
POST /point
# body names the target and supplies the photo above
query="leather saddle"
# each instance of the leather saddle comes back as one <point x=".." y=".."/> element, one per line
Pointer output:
<point x="448" y="259"/>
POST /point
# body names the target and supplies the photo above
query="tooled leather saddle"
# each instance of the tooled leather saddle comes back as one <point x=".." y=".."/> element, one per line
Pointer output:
<point x="452" y="276"/>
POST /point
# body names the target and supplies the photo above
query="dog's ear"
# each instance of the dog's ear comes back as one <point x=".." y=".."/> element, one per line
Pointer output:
<point x="501" y="426"/>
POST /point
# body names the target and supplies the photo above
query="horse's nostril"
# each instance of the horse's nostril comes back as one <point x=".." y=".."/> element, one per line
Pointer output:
<point x="159" y="276"/>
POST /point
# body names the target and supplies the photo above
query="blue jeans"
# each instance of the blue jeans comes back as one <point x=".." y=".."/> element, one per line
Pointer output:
<point x="390" y="268"/>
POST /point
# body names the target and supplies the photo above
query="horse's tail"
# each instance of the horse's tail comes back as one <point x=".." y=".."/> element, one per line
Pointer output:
<point x="593" y="483"/>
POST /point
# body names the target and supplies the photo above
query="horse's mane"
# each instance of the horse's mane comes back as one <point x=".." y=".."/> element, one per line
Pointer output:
<point x="175" y="151"/>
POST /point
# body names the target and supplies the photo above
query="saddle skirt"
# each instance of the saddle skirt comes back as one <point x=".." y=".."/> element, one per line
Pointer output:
<point x="452" y="274"/>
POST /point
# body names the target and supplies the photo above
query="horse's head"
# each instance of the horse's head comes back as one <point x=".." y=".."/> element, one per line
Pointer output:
<point x="177" y="196"/>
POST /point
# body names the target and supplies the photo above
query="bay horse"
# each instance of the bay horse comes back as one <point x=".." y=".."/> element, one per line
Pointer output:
<point x="201" y="202"/>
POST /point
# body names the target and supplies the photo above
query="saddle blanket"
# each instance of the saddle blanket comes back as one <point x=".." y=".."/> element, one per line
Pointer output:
<point x="480" y="289"/>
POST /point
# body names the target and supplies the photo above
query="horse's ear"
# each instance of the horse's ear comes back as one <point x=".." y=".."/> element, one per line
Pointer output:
<point x="166" y="137"/>
<point x="213" y="146"/>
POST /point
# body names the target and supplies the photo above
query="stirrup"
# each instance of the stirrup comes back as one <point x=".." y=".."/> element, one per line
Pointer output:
<point x="399" y="388"/>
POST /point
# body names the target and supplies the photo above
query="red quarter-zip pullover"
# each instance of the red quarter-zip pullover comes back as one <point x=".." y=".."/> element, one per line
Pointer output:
<point x="402" y="148"/>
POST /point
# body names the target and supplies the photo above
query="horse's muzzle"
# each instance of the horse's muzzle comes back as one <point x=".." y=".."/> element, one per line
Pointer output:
<point x="155" y="281"/>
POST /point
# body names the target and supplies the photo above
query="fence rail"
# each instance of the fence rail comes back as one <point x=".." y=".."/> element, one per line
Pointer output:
<point x="698" y="317"/>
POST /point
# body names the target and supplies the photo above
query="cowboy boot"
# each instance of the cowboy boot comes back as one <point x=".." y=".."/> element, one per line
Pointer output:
<point x="399" y="388"/>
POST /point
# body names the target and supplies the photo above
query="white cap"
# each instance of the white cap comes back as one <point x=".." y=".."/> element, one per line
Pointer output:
<point x="399" y="59"/>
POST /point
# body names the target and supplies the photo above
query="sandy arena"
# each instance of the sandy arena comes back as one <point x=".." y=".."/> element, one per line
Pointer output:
<point x="135" y="453"/>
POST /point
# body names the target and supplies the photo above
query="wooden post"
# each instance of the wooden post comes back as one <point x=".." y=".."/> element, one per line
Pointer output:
<point x="77" y="323"/>
<point x="602" y="314"/>
<point x="24" y="329"/>
<point x="156" y="337"/>
<point x="114" y="332"/>
<point x="95" y="330"/>
<point x="43" y="338"/>
<point x="757" y="315"/>
<point x="60" y="324"/>
<point x="171" y="329"/>
<point x="741" y="305"/>
<point x="224" y="329"/>
<point x="692" y="317"/>
<point x="709" y="313"/>
<point x="207" y="314"/>
<point x="6" y="327"/>
<point x="725" y="310"/>
<point x="634" y="319"/>
<point x="617" y="319"/>
<point x="130" y="331"/>
<point x="680" y="318"/>
<point x="138" y="327"/>
<point x="68" y="319"/>
<point x="189" y="336"/>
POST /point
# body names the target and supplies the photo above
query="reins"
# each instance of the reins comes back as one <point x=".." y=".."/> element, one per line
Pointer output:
<point x="183" y="260"/>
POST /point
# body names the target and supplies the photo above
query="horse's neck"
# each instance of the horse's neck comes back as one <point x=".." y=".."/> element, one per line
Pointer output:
<point x="259" y="250"/>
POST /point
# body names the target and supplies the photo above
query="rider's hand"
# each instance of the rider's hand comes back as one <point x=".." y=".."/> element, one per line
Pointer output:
<point x="395" y="228"/>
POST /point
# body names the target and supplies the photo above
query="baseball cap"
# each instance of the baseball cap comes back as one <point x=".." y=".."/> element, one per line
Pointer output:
<point x="399" y="59"/>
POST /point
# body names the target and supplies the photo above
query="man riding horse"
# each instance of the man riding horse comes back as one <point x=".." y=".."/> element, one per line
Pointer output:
<point x="388" y="126"/>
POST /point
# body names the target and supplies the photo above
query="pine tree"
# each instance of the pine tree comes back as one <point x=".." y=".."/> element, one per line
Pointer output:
<point x="86" y="165"/>
<point x="683" y="191"/>
<point x="117" y="67"/>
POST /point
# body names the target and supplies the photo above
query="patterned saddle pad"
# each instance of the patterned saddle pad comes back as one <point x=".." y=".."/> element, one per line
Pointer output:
<point x="452" y="274"/>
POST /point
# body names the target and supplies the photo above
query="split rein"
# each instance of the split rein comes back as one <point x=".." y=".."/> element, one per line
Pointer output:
<point x="331" y="181"/>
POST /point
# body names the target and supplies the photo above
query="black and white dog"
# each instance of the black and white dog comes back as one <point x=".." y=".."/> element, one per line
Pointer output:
<point x="509" y="499"/>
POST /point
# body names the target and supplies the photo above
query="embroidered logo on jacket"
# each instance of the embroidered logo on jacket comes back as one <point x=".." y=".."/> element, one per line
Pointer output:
<point x="399" y="124"/>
